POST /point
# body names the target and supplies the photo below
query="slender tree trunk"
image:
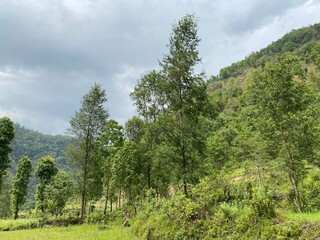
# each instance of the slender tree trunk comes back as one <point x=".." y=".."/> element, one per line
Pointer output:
<point x="149" y="176"/>
<point x="296" y="192"/>
<point x="85" y="170"/>
<point x="106" y="201"/>
<point x="105" y="207"/>
<point x="117" y="203"/>
<point x="16" y="211"/>
<point x="83" y="194"/>
<point x="83" y="202"/>
<point x="42" y="205"/>
<point x="185" y="188"/>
<point x="183" y="152"/>
<point x="111" y="204"/>
<point x="292" y="176"/>
<point x="259" y="174"/>
<point x="292" y="173"/>
<point x="130" y="198"/>
<point x="42" y="199"/>
<point x="184" y="169"/>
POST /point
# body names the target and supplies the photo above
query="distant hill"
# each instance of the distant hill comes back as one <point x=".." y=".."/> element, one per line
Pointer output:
<point x="35" y="145"/>
<point x="226" y="89"/>
<point x="301" y="42"/>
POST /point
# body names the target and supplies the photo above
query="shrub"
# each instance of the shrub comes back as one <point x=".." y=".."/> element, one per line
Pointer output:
<point x="263" y="204"/>
<point x="310" y="193"/>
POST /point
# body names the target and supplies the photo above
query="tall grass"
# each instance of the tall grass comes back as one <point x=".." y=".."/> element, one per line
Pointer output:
<point x="309" y="217"/>
<point x="80" y="232"/>
<point x="19" y="224"/>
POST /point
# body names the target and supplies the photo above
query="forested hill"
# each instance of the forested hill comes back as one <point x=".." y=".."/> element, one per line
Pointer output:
<point x="303" y="42"/>
<point x="36" y="145"/>
<point x="262" y="143"/>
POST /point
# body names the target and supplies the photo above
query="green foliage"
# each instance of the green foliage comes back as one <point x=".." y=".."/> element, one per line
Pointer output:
<point x="314" y="55"/>
<point x="6" y="136"/>
<point x="149" y="95"/>
<point x="45" y="171"/>
<point x="85" y="126"/>
<point x="201" y="216"/>
<point x="291" y="42"/>
<point x="35" y="145"/>
<point x="283" y="101"/>
<point x="263" y="204"/>
<point x="127" y="169"/>
<point x="185" y="98"/>
<point x="310" y="189"/>
<point x="134" y="129"/>
<point x="57" y="192"/>
<point x="261" y="127"/>
<point x="20" y="184"/>
<point x="109" y="142"/>
<point x="5" y="197"/>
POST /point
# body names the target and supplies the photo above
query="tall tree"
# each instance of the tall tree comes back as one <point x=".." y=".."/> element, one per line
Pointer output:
<point x="20" y="184"/>
<point x="134" y="129"/>
<point x="46" y="170"/>
<point x="127" y="170"/>
<point x="85" y="126"/>
<point x="280" y="93"/>
<point x="5" y="197"/>
<point x="110" y="141"/>
<point x="6" y="136"/>
<point x="185" y="96"/>
<point x="149" y="95"/>
<point x="58" y="192"/>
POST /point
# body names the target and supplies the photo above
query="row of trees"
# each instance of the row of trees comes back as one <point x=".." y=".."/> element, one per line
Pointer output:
<point x="183" y="133"/>
<point x="53" y="188"/>
<point x="164" y="146"/>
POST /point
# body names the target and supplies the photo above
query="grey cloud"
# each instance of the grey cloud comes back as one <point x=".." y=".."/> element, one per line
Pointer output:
<point x="249" y="15"/>
<point x="56" y="49"/>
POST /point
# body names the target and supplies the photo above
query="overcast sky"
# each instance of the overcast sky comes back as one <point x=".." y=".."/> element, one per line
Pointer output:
<point x="53" y="51"/>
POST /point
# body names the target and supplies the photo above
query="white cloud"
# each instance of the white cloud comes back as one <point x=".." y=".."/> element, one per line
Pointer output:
<point x="126" y="78"/>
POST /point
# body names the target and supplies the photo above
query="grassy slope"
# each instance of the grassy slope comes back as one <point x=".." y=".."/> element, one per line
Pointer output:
<point x="87" y="232"/>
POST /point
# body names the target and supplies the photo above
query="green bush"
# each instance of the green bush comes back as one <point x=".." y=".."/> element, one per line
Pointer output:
<point x="263" y="204"/>
<point x="310" y="193"/>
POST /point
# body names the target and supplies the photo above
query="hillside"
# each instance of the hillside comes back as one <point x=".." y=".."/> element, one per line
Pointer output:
<point x="36" y="145"/>
<point x="248" y="193"/>
<point x="303" y="42"/>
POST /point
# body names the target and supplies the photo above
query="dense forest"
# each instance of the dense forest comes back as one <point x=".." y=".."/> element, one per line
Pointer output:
<point x="235" y="156"/>
<point x="36" y="145"/>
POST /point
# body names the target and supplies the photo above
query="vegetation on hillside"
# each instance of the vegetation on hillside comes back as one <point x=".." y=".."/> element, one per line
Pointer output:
<point x="303" y="42"/>
<point x="35" y="145"/>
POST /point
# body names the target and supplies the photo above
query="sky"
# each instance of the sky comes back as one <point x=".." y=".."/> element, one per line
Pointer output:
<point x="53" y="51"/>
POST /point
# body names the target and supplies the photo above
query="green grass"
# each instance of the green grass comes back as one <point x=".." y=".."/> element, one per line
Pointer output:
<point x="80" y="232"/>
<point x="309" y="217"/>
<point x="18" y="224"/>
